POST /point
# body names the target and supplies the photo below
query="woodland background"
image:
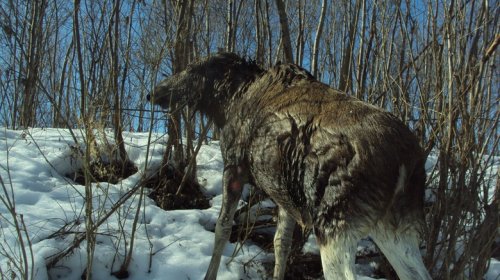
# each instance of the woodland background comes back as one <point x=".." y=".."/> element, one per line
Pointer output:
<point x="89" y="65"/>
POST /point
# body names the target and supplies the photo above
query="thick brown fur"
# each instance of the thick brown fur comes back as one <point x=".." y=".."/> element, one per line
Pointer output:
<point x="330" y="161"/>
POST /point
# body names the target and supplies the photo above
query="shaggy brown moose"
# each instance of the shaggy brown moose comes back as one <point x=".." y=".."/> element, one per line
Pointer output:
<point x="331" y="162"/>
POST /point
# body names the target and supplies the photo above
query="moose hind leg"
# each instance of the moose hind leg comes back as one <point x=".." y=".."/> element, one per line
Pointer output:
<point x="282" y="242"/>
<point x="338" y="255"/>
<point x="231" y="195"/>
<point x="402" y="250"/>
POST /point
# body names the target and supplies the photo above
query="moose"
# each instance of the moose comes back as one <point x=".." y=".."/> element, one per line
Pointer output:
<point x="332" y="163"/>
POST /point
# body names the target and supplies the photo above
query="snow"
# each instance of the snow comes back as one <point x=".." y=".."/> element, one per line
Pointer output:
<point x="168" y="244"/>
<point x="493" y="271"/>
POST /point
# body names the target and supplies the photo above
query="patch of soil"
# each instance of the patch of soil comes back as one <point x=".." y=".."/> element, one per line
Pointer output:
<point x="304" y="266"/>
<point x="164" y="189"/>
<point x="100" y="171"/>
<point x="299" y="265"/>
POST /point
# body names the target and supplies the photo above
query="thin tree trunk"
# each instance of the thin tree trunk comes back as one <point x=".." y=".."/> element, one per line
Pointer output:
<point x="259" y="57"/>
<point x="230" y="26"/>
<point x="33" y="63"/>
<point x="299" y="50"/>
<point x="285" y="32"/>
<point x="269" y="35"/>
<point x="345" y="69"/>
<point x="58" y="122"/>
<point x="207" y="27"/>
<point x="319" y="31"/>
<point x="361" y="64"/>
<point x="115" y="40"/>
<point x="180" y="57"/>
<point x="89" y="223"/>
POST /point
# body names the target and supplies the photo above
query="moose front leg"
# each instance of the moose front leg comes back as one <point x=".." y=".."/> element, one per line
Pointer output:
<point x="282" y="242"/>
<point x="233" y="186"/>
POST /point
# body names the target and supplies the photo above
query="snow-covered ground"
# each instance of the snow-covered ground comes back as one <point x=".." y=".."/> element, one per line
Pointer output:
<point x="168" y="244"/>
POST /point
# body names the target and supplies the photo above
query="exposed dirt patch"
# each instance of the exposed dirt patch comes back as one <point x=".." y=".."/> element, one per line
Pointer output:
<point x="299" y="265"/>
<point x="164" y="189"/>
<point x="304" y="266"/>
<point x="100" y="171"/>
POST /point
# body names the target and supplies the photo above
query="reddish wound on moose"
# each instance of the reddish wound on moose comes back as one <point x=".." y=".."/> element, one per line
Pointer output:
<point x="235" y="185"/>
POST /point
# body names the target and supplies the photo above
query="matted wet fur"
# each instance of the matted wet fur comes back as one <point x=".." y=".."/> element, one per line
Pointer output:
<point x="331" y="162"/>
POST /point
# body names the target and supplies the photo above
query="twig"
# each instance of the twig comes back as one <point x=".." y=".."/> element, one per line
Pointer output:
<point x="192" y="161"/>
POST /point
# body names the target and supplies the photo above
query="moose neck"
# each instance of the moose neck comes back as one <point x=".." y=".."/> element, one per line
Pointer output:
<point x="226" y="91"/>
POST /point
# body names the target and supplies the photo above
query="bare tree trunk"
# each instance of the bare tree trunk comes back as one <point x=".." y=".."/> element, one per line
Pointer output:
<point x="117" y="113"/>
<point x="179" y="62"/>
<point x="299" y="50"/>
<point x="207" y="28"/>
<point x="269" y="34"/>
<point x="345" y="69"/>
<point x="58" y="117"/>
<point x="34" y="58"/>
<point x="259" y="56"/>
<point x="319" y="31"/>
<point x="285" y="32"/>
<point x="361" y="65"/>
<point x="230" y="26"/>
<point x="89" y="140"/>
